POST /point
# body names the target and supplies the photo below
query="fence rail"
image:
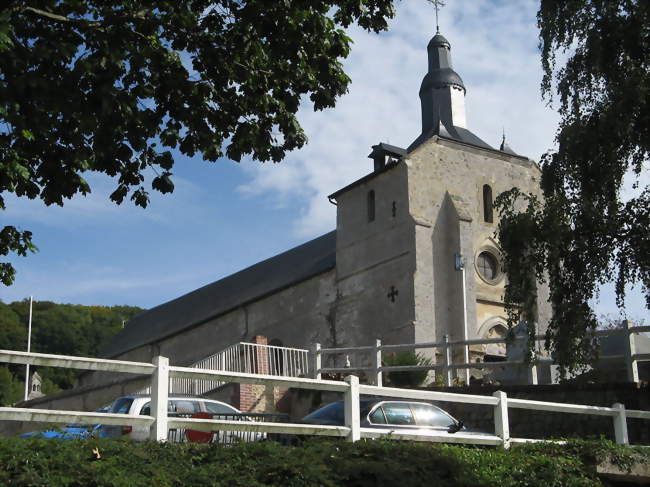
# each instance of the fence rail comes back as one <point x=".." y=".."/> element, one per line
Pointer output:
<point x="160" y="422"/>
<point x="375" y="368"/>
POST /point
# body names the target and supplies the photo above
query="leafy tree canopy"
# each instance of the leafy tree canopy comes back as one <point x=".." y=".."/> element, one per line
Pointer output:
<point x="87" y="85"/>
<point x="63" y="329"/>
<point x="585" y="232"/>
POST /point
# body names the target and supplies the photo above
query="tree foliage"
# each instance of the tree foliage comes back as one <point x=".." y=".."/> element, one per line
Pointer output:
<point x="63" y="329"/>
<point x="113" y="87"/>
<point x="591" y="227"/>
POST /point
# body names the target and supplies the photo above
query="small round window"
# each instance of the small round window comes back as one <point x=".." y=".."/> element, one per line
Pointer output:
<point x="488" y="266"/>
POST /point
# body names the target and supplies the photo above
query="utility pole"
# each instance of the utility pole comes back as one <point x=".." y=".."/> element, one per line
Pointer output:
<point x="29" y="346"/>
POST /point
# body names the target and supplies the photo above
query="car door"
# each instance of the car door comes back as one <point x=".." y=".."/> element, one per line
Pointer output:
<point x="175" y="407"/>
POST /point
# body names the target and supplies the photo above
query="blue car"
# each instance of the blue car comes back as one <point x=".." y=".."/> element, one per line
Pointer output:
<point x="71" y="431"/>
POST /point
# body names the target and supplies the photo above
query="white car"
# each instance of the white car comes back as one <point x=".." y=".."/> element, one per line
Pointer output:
<point x="179" y="406"/>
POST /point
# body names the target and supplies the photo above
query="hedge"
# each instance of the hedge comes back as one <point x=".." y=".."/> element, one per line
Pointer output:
<point x="75" y="463"/>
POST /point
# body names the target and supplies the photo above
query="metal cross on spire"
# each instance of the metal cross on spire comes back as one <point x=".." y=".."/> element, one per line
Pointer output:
<point x="438" y="4"/>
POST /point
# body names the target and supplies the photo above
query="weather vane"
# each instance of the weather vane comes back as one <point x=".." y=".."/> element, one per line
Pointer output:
<point x="438" y="4"/>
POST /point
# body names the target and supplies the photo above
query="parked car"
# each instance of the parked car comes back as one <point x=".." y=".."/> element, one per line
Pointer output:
<point x="71" y="431"/>
<point x="396" y="415"/>
<point x="178" y="406"/>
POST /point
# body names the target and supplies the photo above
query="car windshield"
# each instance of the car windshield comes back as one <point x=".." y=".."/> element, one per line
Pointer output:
<point x="122" y="405"/>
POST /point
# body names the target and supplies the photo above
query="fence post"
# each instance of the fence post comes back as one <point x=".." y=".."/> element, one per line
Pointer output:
<point x="159" y="395"/>
<point x="351" y="405"/>
<point x="620" y="424"/>
<point x="630" y="350"/>
<point x="317" y="361"/>
<point x="376" y="356"/>
<point x="447" y="370"/>
<point x="501" y="425"/>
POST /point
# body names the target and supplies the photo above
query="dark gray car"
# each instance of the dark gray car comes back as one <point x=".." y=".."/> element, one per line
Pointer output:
<point x="408" y="415"/>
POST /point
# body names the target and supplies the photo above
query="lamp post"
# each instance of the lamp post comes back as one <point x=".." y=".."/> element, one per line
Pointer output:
<point x="459" y="265"/>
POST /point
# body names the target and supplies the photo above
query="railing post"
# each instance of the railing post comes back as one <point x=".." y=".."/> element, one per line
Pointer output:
<point x="377" y="363"/>
<point x="351" y="405"/>
<point x="501" y="424"/>
<point x="620" y="424"/>
<point x="317" y="361"/>
<point x="532" y="371"/>
<point x="159" y="395"/>
<point x="630" y="350"/>
<point x="447" y="370"/>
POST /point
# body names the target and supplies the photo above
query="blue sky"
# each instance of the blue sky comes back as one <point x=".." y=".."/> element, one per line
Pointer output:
<point x="225" y="216"/>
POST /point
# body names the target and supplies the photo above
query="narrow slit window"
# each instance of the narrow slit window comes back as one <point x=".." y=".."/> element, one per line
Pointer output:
<point x="488" y="211"/>
<point x="371" y="206"/>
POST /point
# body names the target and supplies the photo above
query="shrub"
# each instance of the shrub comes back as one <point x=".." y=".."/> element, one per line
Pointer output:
<point x="409" y="378"/>
<point x="72" y="463"/>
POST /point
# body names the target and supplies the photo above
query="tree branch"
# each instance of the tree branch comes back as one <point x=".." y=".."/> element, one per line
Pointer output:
<point x="60" y="18"/>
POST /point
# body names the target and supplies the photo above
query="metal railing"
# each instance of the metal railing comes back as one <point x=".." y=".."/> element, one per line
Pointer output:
<point x="250" y="358"/>
<point x="160" y="422"/>
<point x="374" y="368"/>
<point x="226" y="438"/>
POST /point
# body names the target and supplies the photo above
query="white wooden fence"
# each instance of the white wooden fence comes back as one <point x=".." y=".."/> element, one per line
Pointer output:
<point x="159" y="422"/>
<point x="374" y="368"/>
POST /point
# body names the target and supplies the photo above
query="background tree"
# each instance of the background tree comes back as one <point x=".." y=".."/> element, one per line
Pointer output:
<point x="64" y="329"/>
<point x="590" y="228"/>
<point x="111" y="87"/>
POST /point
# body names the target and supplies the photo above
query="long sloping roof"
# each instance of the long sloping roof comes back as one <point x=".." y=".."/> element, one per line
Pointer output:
<point x="250" y="284"/>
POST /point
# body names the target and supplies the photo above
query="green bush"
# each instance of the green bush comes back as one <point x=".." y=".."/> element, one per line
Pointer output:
<point x="58" y="463"/>
<point x="409" y="378"/>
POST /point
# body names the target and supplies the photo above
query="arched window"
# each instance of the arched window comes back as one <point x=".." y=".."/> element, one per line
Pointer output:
<point x="487" y="204"/>
<point x="371" y="205"/>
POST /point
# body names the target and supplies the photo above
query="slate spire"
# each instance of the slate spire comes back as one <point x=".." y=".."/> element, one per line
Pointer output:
<point x="442" y="92"/>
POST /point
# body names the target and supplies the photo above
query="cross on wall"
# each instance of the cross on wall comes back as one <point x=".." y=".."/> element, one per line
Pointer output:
<point x="392" y="294"/>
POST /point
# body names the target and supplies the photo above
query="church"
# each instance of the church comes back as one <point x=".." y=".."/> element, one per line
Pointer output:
<point x="413" y="256"/>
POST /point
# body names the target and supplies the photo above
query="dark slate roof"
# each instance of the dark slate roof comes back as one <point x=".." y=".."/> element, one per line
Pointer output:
<point x="455" y="133"/>
<point x="440" y="78"/>
<point x="439" y="40"/>
<point x="384" y="148"/>
<point x="255" y="282"/>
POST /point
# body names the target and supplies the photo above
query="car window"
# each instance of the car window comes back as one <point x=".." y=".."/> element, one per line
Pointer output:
<point x="378" y="417"/>
<point x="217" y="408"/>
<point x="183" y="406"/>
<point x="174" y="406"/>
<point x="121" y="405"/>
<point x="398" y="413"/>
<point x="428" y="415"/>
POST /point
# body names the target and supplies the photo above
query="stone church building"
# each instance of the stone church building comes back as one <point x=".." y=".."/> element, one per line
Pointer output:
<point x="413" y="256"/>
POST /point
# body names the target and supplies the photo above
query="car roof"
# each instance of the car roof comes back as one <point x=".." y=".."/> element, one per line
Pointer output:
<point x="171" y="396"/>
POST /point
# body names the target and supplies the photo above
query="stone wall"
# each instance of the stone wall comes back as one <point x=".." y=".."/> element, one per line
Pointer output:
<point x="298" y="316"/>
